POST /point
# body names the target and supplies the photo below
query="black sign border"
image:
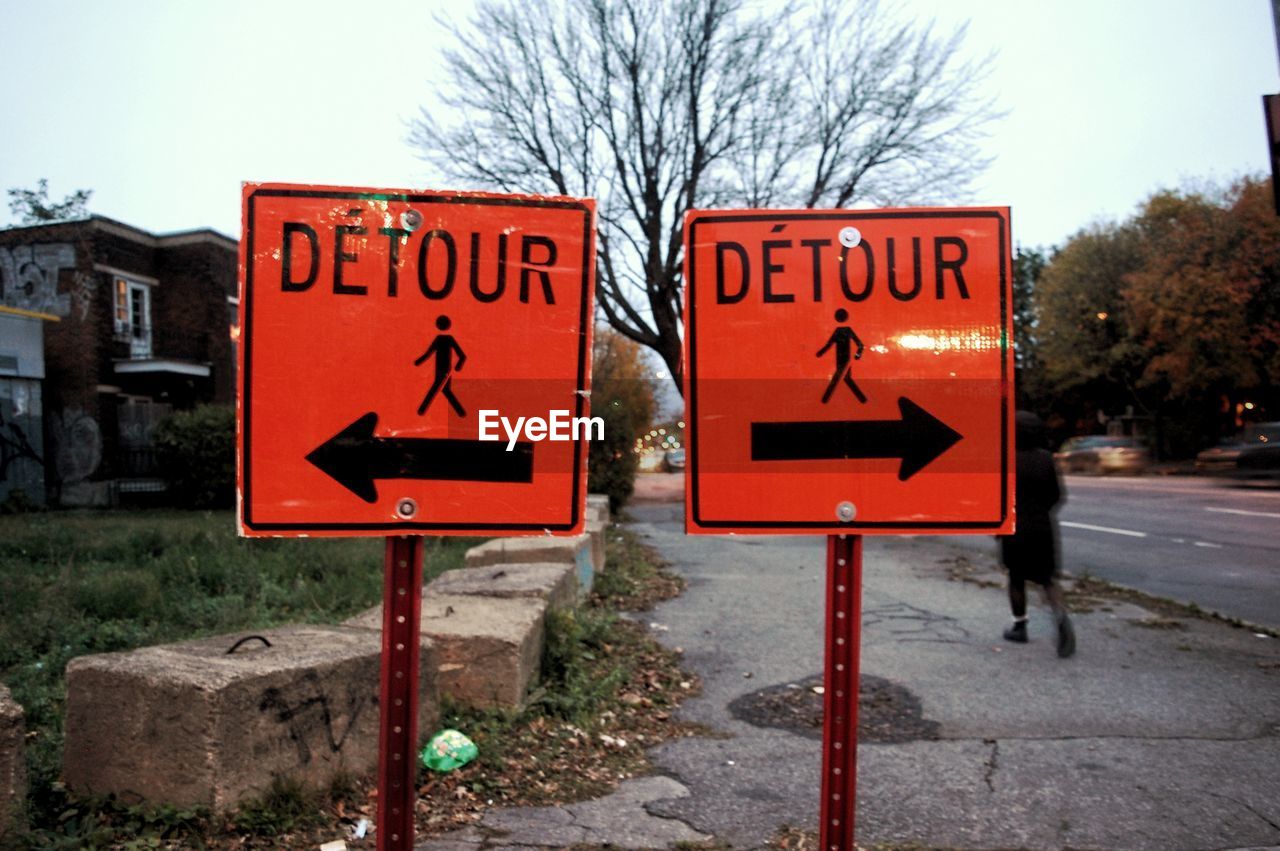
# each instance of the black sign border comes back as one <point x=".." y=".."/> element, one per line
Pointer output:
<point x="834" y="526"/>
<point x="406" y="526"/>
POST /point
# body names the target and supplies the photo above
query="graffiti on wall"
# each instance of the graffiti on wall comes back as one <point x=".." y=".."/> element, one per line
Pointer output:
<point x="21" y="455"/>
<point x="311" y="717"/>
<point x="29" y="279"/>
<point x="82" y="287"/>
<point x="77" y="445"/>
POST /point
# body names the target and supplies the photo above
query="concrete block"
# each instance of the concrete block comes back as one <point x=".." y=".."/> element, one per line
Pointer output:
<point x="598" y="507"/>
<point x="577" y="550"/>
<point x="190" y="725"/>
<point x="488" y="650"/>
<point x="13" y="765"/>
<point x="596" y="531"/>
<point x="555" y="582"/>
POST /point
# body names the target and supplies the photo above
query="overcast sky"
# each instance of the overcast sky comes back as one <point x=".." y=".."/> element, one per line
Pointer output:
<point x="163" y="108"/>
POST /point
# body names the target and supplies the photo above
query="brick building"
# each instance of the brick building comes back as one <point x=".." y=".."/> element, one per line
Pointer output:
<point x="104" y="330"/>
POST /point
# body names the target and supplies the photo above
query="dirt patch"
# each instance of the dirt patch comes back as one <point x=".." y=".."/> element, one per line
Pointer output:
<point x="887" y="712"/>
<point x="963" y="569"/>
<point x="1158" y="623"/>
<point x="1085" y="594"/>
<point x="1168" y="613"/>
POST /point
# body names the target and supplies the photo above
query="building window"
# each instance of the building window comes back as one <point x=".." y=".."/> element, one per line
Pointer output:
<point x="133" y="316"/>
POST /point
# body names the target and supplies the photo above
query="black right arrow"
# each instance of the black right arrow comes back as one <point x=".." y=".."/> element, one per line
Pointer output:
<point x="917" y="438"/>
<point x="354" y="458"/>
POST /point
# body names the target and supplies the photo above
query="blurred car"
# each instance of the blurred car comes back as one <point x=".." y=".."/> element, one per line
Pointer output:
<point x="1259" y="462"/>
<point x="1098" y="454"/>
<point x="1220" y="458"/>
<point x="674" y="460"/>
<point x="1254" y="452"/>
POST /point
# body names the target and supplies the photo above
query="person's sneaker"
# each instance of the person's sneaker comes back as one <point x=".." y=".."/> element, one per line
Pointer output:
<point x="1066" y="637"/>
<point x="1017" y="632"/>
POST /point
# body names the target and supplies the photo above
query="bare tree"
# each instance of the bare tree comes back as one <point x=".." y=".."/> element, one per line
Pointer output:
<point x="656" y="107"/>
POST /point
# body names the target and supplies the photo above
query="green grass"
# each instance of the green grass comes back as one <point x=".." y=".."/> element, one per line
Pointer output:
<point x="73" y="583"/>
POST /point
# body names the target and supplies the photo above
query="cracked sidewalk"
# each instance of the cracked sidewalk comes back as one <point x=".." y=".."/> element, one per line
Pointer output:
<point x="618" y="820"/>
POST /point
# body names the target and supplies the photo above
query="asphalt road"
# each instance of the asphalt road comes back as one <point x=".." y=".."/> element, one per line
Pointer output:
<point x="1205" y="541"/>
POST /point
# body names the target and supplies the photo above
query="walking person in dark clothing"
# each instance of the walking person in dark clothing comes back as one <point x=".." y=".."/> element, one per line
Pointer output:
<point x="1030" y="554"/>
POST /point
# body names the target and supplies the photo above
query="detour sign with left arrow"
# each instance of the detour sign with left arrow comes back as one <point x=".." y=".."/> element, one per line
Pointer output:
<point x="849" y="371"/>
<point x="380" y="331"/>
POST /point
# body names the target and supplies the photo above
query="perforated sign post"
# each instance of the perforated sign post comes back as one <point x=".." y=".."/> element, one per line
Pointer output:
<point x="385" y="336"/>
<point x="848" y="372"/>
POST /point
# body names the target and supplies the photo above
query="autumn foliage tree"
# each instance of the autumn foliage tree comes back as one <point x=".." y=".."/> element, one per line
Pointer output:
<point x="1175" y="312"/>
<point x="622" y="395"/>
<point x="1028" y="266"/>
<point x="1083" y="343"/>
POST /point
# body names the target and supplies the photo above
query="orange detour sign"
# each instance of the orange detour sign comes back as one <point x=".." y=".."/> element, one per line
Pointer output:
<point x="413" y="362"/>
<point x="849" y="371"/>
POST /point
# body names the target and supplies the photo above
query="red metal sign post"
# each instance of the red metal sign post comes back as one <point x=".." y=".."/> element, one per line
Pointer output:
<point x="840" y="695"/>
<point x="398" y="730"/>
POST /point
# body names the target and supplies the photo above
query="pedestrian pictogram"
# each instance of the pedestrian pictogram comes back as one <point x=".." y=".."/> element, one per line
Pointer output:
<point x="443" y="348"/>
<point x="377" y="328"/>
<point x="840" y="340"/>
<point x="849" y="371"/>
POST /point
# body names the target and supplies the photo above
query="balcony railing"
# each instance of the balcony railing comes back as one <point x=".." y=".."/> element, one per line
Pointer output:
<point x="139" y="339"/>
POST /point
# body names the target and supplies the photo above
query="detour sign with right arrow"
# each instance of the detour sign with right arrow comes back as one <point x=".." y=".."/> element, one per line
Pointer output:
<point x="849" y="371"/>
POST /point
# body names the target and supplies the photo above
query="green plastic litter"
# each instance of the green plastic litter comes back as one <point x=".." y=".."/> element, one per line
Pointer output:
<point x="448" y="750"/>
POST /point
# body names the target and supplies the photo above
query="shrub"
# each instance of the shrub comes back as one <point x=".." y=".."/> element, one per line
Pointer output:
<point x="611" y="463"/>
<point x="198" y="456"/>
<point x="621" y="395"/>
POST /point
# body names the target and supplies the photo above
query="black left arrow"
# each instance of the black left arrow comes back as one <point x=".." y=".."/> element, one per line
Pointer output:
<point x="916" y="439"/>
<point x="355" y="458"/>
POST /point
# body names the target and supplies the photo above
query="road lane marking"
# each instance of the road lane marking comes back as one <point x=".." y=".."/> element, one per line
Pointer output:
<point x="1214" y="488"/>
<point x="1127" y="532"/>
<point x="1207" y="544"/>
<point x="1244" y="512"/>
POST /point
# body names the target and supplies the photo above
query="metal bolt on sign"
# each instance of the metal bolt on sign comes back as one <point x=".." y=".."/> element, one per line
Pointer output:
<point x="411" y="220"/>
